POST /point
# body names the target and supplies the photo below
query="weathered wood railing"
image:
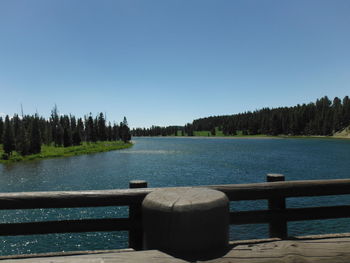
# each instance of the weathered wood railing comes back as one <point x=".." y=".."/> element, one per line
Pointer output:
<point x="275" y="192"/>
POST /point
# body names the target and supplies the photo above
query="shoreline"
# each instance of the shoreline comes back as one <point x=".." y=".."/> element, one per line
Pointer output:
<point x="221" y="137"/>
<point x="262" y="137"/>
<point x="50" y="152"/>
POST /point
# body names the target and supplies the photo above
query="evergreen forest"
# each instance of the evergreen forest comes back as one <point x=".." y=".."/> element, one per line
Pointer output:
<point x="323" y="117"/>
<point x="26" y="134"/>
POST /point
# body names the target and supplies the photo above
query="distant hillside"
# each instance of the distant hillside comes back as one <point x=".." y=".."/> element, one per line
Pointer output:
<point x="324" y="117"/>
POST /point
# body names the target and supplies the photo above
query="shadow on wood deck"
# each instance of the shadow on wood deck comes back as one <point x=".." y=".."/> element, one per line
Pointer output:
<point x="333" y="248"/>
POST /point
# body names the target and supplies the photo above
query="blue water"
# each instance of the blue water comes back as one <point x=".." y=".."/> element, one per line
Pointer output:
<point x="173" y="162"/>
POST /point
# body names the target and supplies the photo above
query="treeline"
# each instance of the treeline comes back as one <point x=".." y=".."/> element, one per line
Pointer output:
<point x="26" y="134"/>
<point x="156" y="131"/>
<point x="324" y="117"/>
<point x="186" y="130"/>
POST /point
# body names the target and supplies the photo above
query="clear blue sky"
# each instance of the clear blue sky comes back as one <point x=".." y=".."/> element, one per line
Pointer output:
<point x="168" y="62"/>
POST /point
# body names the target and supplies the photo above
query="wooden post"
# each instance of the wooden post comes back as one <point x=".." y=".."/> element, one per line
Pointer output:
<point x="186" y="222"/>
<point x="135" y="214"/>
<point x="278" y="226"/>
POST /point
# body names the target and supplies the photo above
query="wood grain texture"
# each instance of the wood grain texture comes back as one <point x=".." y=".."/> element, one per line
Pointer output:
<point x="135" y="214"/>
<point x="320" y="250"/>
<point x="238" y="192"/>
<point x="125" y="197"/>
<point x="336" y="250"/>
<point x="134" y="197"/>
<point x="289" y="214"/>
<point x="277" y="225"/>
<point x="149" y="256"/>
<point x="63" y="199"/>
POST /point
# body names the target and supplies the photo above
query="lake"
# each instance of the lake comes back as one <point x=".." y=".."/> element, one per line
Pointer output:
<point x="173" y="162"/>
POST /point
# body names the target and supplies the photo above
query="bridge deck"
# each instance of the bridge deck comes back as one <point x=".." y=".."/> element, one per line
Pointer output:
<point x="321" y="249"/>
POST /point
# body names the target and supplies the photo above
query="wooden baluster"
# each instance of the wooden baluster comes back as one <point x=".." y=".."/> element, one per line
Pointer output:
<point x="278" y="226"/>
<point x="135" y="214"/>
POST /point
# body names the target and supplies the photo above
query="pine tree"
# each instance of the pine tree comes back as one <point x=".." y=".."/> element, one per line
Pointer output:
<point x="189" y="129"/>
<point x="125" y="131"/>
<point x="73" y="123"/>
<point x="16" y="125"/>
<point x="115" y="133"/>
<point x="67" y="137"/>
<point x="47" y="133"/>
<point x="94" y="136"/>
<point x="90" y="129"/>
<point x="8" y="138"/>
<point x="55" y="126"/>
<point x="59" y="135"/>
<point x="109" y="132"/>
<point x="76" y="137"/>
<point x="22" y="141"/>
<point x="80" y="128"/>
<point x="346" y="112"/>
<point x="35" y="136"/>
<point x="1" y="129"/>
<point x="101" y="124"/>
<point x="337" y="114"/>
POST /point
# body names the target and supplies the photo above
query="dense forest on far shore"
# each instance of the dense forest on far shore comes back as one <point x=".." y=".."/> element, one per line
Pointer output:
<point x="27" y="133"/>
<point x="324" y="117"/>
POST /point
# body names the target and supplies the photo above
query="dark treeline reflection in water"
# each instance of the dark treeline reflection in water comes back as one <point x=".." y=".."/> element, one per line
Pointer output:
<point x="173" y="162"/>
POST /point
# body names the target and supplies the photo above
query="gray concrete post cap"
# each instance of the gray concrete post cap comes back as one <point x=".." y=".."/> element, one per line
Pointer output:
<point x="185" y="199"/>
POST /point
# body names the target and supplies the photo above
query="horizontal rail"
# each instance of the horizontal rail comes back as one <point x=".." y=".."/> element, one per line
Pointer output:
<point x="289" y="214"/>
<point x="70" y="199"/>
<point x="238" y="192"/>
<point x="125" y="197"/>
<point x="66" y="226"/>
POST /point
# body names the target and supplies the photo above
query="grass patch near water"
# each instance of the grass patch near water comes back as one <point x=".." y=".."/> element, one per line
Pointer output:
<point x="54" y="152"/>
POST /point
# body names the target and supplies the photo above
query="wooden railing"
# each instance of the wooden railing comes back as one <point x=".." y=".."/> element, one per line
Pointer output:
<point x="276" y="216"/>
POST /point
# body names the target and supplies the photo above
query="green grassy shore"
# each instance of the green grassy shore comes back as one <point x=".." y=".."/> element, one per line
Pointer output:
<point x="55" y="152"/>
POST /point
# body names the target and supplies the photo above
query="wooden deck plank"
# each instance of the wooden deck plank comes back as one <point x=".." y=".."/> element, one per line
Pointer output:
<point x="335" y="250"/>
<point x="300" y="250"/>
<point x="147" y="256"/>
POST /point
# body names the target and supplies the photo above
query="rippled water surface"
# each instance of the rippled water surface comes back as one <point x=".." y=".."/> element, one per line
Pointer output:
<point x="173" y="162"/>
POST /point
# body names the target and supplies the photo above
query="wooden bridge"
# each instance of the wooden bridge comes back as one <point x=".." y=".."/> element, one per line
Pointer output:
<point x="278" y="248"/>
